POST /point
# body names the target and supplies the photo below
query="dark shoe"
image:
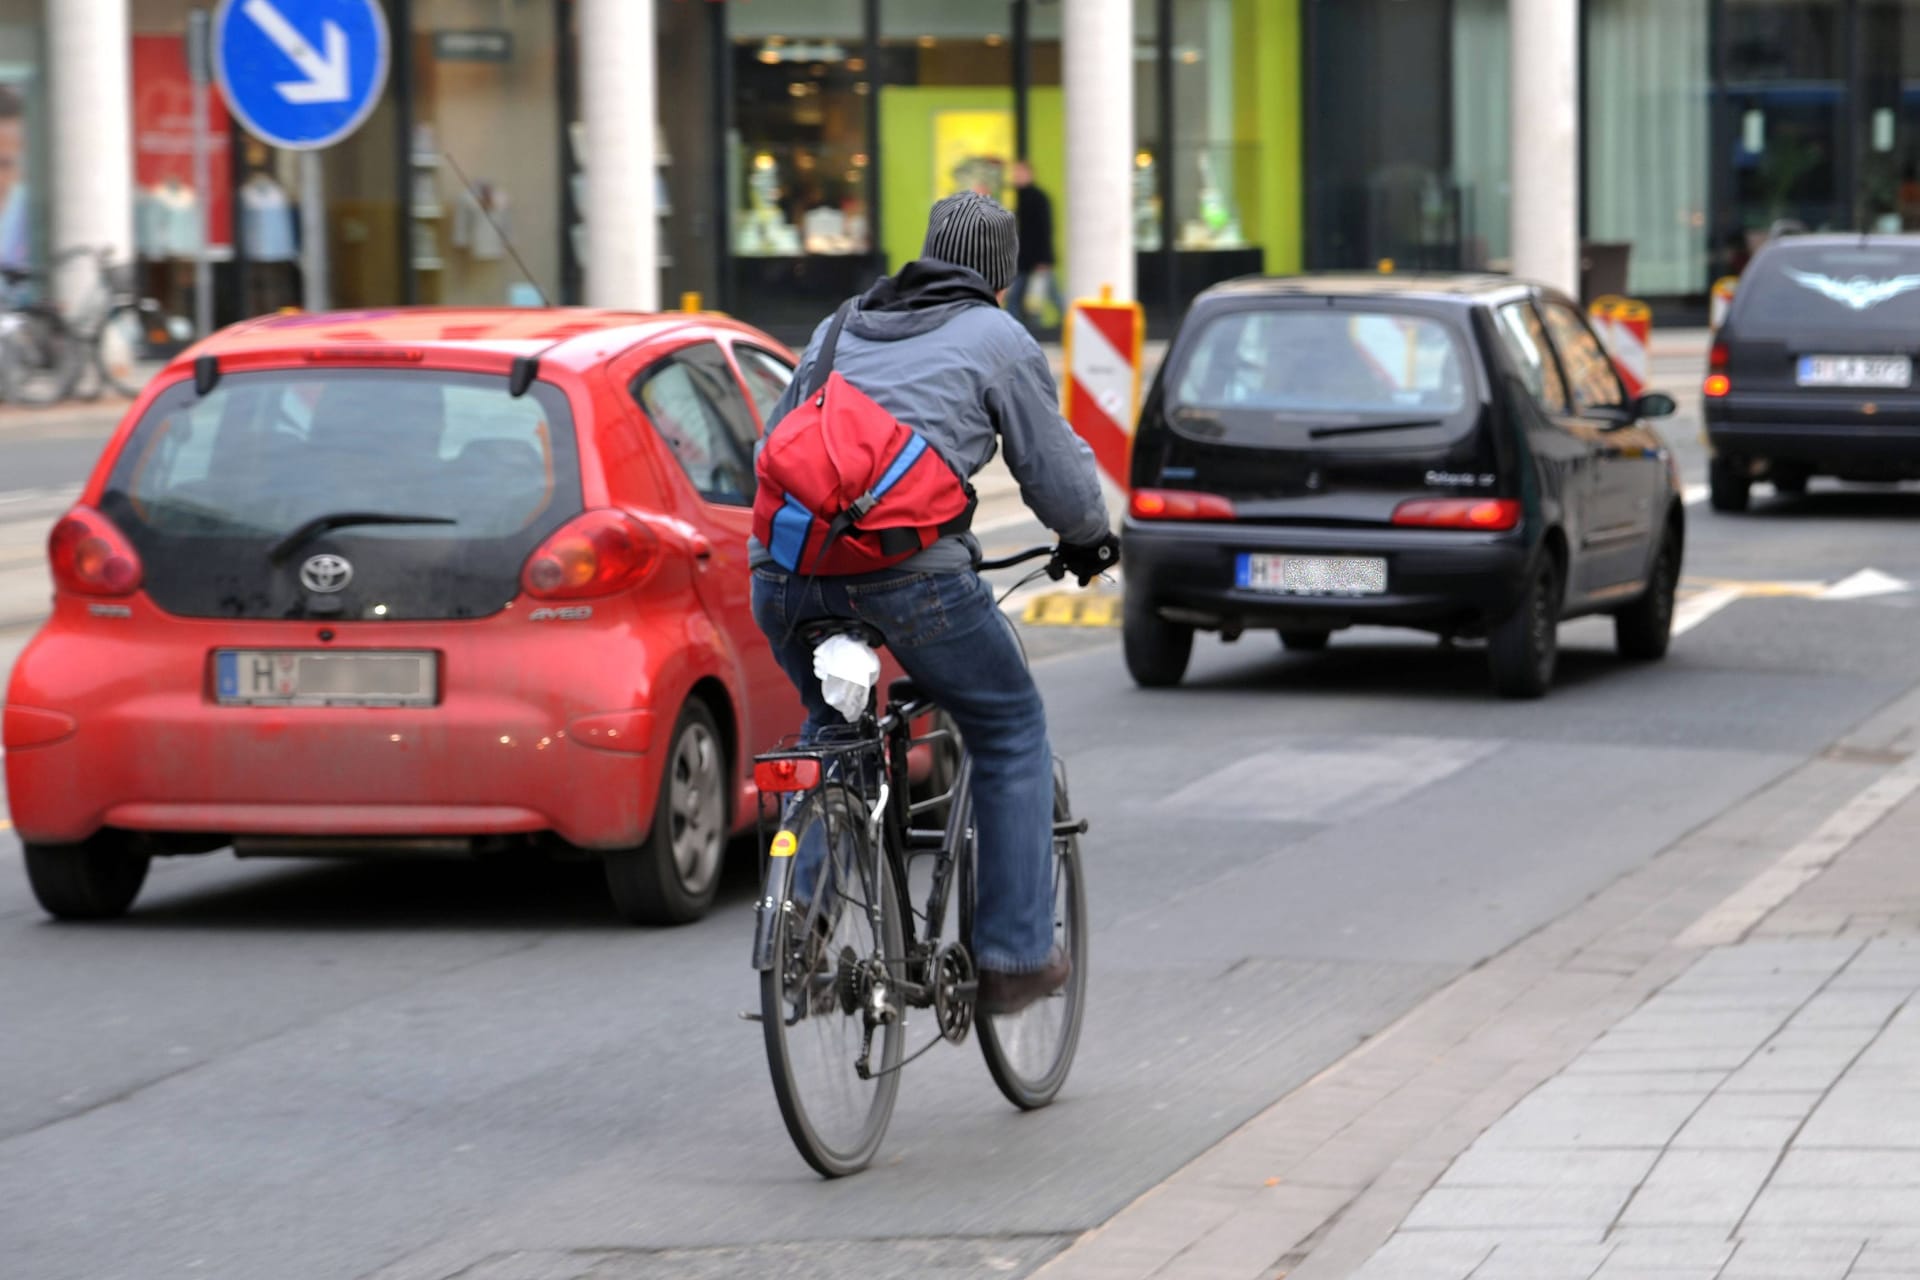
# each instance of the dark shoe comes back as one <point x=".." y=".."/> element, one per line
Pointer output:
<point x="1003" y="994"/>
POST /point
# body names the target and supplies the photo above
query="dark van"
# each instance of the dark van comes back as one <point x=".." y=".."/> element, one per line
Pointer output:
<point x="1452" y="454"/>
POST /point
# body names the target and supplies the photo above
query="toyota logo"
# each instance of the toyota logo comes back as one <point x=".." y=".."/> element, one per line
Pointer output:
<point x="326" y="574"/>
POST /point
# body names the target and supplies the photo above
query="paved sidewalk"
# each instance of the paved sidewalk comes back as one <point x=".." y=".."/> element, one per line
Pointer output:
<point x="1710" y="1071"/>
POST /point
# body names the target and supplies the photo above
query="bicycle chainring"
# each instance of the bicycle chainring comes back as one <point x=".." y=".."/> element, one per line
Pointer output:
<point x="953" y="990"/>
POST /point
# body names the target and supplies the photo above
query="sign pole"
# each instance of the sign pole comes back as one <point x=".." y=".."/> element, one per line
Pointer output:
<point x="313" y="234"/>
<point x="199" y="71"/>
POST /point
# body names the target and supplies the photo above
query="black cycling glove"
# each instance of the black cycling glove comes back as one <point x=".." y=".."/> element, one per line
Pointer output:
<point x="1087" y="561"/>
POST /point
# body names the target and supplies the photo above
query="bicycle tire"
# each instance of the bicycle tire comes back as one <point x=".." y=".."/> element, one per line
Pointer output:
<point x="804" y="1077"/>
<point x="40" y="356"/>
<point x="1030" y="1054"/>
<point x="121" y="347"/>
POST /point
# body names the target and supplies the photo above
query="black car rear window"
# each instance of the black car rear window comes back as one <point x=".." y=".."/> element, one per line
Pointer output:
<point x="1811" y="289"/>
<point x="207" y="486"/>
<point x="1325" y="362"/>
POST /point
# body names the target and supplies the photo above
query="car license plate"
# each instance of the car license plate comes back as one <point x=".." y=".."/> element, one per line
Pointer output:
<point x="305" y="678"/>
<point x="1856" y="371"/>
<point x="1312" y="575"/>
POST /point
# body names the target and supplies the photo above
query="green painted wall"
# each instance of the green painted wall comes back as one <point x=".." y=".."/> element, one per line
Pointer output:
<point x="906" y="147"/>
<point x="1269" y="174"/>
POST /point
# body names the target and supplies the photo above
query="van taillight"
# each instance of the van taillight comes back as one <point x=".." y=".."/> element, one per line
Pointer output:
<point x="1179" y="504"/>
<point x="92" y="558"/>
<point x="1717" y="383"/>
<point x="595" y="554"/>
<point x="1492" y="514"/>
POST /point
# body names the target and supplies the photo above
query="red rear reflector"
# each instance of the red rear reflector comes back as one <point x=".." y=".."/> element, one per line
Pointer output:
<point x="595" y="554"/>
<point x="91" y="557"/>
<point x="794" y="774"/>
<point x="1459" y="513"/>
<point x="1717" y="356"/>
<point x="1716" y="385"/>
<point x="365" y="355"/>
<point x="1179" y="504"/>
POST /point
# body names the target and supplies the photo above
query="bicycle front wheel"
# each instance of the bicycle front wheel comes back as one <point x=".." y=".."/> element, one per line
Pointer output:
<point x="830" y="998"/>
<point x="1029" y="1053"/>
<point x="39" y="356"/>
<point x="125" y="350"/>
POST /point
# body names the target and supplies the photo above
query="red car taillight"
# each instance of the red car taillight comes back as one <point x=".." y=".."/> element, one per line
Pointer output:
<point x="92" y="558"/>
<point x="1179" y="504"/>
<point x="595" y="554"/>
<point x="1717" y="383"/>
<point x="1491" y="514"/>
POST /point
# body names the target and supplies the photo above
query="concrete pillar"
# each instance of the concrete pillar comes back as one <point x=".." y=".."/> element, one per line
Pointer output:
<point x="1545" y="141"/>
<point x="618" y="110"/>
<point x="1097" y="83"/>
<point x="89" y="134"/>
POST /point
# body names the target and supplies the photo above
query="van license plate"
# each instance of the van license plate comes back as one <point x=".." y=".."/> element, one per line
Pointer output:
<point x="1312" y="575"/>
<point x="306" y="678"/>
<point x="1855" y="371"/>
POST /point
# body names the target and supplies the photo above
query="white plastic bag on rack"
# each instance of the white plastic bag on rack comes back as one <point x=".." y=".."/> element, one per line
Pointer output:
<point x="848" y="671"/>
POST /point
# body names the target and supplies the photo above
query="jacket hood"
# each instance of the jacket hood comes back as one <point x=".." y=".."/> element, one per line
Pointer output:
<point x="921" y="297"/>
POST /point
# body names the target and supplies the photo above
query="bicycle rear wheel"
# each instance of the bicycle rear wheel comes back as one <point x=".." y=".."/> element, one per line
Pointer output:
<point x="124" y="351"/>
<point x="1029" y="1053"/>
<point x="816" y="1000"/>
<point x="40" y="356"/>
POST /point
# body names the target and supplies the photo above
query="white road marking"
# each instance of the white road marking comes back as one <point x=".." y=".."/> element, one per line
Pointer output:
<point x="1757" y="899"/>
<point x="1866" y="583"/>
<point x="1694" y="610"/>
<point x="1694" y="494"/>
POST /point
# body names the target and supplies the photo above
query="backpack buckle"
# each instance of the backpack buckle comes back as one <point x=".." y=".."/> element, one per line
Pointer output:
<point x="863" y="504"/>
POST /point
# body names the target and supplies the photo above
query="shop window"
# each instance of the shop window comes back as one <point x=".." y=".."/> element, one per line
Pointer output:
<point x="694" y="403"/>
<point x="23" y="189"/>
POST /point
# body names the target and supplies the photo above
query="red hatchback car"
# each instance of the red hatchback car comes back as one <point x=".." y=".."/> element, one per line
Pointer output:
<point x="362" y="579"/>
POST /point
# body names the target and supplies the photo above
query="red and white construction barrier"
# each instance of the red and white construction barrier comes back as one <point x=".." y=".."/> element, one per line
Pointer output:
<point x="1100" y="394"/>
<point x="1626" y="328"/>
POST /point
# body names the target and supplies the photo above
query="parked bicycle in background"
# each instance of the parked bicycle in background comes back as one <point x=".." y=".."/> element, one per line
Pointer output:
<point x="112" y="339"/>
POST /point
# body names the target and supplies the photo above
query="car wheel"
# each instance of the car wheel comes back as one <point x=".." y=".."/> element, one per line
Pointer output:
<point x="1305" y="641"/>
<point x="1727" y="490"/>
<point x="1643" y="629"/>
<point x="1790" y="481"/>
<point x="672" y="878"/>
<point x="1523" y="648"/>
<point x="1157" y="650"/>
<point x="97" y="880"/>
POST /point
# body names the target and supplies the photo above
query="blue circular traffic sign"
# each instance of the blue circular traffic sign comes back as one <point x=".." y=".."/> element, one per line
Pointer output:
<point x="300" y="73"/>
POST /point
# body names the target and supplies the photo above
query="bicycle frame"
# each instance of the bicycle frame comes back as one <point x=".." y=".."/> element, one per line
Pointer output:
<point x="877" y="749"/>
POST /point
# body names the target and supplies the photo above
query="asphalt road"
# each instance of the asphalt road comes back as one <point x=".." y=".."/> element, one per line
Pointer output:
<point x="402" y="1070"/>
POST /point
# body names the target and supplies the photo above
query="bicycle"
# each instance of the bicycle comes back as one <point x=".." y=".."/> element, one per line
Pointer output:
<point x="114" y="333"/>
<point x="841" y="963"/>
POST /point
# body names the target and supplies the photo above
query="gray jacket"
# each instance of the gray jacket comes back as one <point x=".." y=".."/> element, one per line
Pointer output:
<point x="930" y="347"/>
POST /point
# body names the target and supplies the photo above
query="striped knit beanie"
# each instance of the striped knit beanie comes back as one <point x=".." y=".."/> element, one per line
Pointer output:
<point x="974" y="231"/>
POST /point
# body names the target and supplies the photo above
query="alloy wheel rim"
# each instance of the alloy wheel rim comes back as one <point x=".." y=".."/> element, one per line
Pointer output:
<point x="694" y="802"/>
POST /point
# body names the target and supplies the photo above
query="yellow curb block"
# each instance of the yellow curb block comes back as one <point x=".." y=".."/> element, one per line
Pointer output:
<point x="1072" y="609"/>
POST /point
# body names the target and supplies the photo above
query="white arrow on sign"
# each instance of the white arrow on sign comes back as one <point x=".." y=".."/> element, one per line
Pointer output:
<point x="326" y="76"/>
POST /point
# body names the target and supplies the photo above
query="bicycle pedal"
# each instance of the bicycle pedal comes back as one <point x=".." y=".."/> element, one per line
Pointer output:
<point x="748" y="1015"/>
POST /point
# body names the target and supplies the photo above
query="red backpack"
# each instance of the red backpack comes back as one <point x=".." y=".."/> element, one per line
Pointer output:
<point x="846" y="488"/>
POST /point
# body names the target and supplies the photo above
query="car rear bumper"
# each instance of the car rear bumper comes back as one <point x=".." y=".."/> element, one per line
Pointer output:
<point x="1435" y="578"/>
<point x="150" y="750"/>
<point x="1817" y="432"/>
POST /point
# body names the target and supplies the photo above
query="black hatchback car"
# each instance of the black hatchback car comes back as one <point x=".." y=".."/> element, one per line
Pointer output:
<point x="1453" y="454"/>
<point x="1812" y="371"/>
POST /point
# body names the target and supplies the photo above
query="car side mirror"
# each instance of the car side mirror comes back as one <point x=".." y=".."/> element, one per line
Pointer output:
<point x="1655" y="404"/>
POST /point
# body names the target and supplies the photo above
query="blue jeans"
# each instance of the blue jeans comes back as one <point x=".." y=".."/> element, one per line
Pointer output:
<point x="947" y="633"/>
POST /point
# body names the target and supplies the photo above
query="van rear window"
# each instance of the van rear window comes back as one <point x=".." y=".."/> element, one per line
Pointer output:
<point x="1810" y="289"/>
<point x="1325" y="361"/>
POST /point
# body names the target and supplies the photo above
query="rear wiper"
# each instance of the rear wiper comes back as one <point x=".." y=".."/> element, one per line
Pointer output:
<point x="341" y="520"/>
<point x="1361" y="428"/>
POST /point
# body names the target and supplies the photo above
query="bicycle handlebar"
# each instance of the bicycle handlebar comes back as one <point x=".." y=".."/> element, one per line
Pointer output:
<point x="1017" y="558"/>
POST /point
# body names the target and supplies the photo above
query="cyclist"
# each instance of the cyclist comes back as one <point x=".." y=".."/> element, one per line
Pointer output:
<point x="931" y="346"/>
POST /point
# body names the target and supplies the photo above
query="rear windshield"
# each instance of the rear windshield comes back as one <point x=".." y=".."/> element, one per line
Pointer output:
<point x="207" y="487"/>
<point x="1814" y="289"/>
<point x="1325" y="362"/>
